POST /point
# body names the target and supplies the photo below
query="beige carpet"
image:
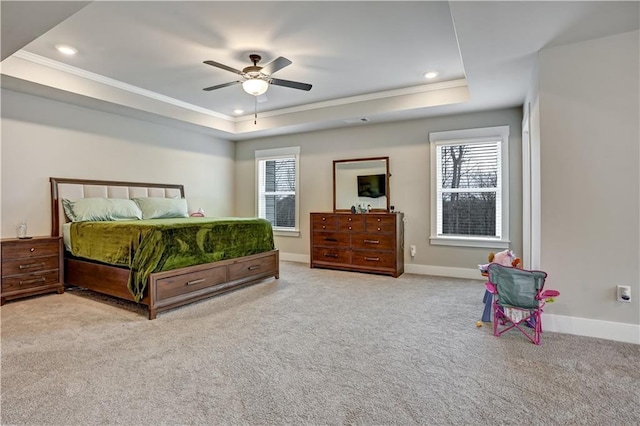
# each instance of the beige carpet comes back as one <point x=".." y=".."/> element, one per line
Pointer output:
<point x="316" y="347"/>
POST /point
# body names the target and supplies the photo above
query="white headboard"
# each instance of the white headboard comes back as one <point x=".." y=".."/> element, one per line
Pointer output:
<point x="74" y="189"/>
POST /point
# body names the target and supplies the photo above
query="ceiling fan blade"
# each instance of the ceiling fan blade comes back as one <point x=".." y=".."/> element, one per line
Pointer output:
<point x="224" y="67"/>
<point x="292" y="84"/>
<point x="275" y="65"/>
<point x="220" y="86"/>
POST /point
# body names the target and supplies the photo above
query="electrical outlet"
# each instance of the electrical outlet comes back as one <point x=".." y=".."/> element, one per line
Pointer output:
<point x="412" y="250"/>
<point x="623" y="293"/>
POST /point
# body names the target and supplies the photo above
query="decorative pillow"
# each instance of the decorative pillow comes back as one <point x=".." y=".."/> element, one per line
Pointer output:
<point x="160" y="208"/>
<point x="101" y="209"/>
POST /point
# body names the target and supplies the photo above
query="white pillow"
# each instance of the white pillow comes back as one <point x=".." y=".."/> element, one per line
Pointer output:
<point x="162" y="208"/>
<point x="101" y="209"/>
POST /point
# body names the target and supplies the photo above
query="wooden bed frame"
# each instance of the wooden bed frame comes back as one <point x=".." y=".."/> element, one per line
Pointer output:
<point x="165" y="290"/>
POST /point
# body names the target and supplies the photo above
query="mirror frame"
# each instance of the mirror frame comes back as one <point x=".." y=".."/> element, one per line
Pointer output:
<point x="355" y="160"/>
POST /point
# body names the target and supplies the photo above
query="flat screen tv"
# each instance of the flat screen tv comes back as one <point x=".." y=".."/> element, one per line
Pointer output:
<point x="372" y="186"/>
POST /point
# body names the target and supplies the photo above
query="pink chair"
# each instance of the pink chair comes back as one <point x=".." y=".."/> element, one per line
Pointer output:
<point x="518" y="299"/>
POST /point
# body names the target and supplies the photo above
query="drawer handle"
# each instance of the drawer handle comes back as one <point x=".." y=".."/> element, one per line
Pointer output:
<point x="349" y="219"/>
<point x="378" y="229"/>
<point x="32" y="249"/>
<point x="324" y="226"/>
<point x="379" y="220"/>
<point x="251" y="268"/>
<point x="371" y="242"/>
<point x="335" y="240"/>
<point x="335" y="256"/>
<point x="372" y="259"/>
<point x="32" y="265"/>
<point x="37" y="280"/>
<point x="350" y="228"/>
<point x="201" y="280"/>
<point x="324" y="218"/>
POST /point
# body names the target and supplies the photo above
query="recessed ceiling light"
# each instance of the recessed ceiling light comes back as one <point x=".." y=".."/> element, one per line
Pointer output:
<point x="66" y="49"/>
<point x="238" y="111"/>
<point x="431" y="74"/>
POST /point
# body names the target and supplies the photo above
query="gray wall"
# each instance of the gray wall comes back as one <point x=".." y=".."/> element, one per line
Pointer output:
<point x="590" y="157"/>
<point x="407" y="146"/>
<point x="43" y="138"/>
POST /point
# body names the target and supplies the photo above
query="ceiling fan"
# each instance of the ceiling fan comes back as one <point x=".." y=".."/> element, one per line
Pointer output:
<point x="256" y="79"/>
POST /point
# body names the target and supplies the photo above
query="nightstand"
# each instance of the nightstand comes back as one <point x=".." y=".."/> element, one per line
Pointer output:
<point x="31" y="266"/>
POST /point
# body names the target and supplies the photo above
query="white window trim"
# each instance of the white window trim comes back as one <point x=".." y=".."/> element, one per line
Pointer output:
<point x="277" y="153"/>
<point x="455" y="137"/>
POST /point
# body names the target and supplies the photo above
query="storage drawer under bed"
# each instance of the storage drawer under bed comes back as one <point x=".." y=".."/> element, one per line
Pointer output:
<point x="185" y="283"/>
<point x="249" y="267"/>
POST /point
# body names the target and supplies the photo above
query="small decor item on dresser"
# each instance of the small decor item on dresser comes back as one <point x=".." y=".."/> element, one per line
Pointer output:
<point x="199" y="213"/>
<point x="353" y="209"/>
<point x="22" y="230"/>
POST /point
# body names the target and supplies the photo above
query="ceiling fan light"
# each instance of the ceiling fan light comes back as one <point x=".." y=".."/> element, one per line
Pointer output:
<point x="255" y="86"/>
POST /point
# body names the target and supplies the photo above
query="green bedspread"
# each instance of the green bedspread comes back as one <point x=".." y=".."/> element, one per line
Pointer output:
<point x="154" y="245"/>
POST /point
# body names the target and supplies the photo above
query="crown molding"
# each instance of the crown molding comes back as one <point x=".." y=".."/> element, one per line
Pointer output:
<point x="362" y="98"/>
<point x="41" y="60"/>
<point x="50" y="63"/>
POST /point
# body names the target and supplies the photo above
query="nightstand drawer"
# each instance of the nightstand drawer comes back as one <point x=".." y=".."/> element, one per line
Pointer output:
<point x="29" y="248"/>
<point x="31" y="266"/>
<point x="29" y="281"/>
<point x="28" y="265"/>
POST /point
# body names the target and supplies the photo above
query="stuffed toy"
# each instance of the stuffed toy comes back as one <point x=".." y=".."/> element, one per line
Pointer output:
<point x="505" y="258"/>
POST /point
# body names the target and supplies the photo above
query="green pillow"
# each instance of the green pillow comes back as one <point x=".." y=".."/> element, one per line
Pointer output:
<point x="160" y="208"/>
<point x="101" y="209"/>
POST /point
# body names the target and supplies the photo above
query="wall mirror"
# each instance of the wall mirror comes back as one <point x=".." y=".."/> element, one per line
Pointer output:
<point x="361" y="182"/>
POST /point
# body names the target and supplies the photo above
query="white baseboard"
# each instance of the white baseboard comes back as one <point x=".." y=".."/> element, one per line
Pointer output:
<point x="439" y="271"/>
<point x="620" y="332"/>
<point x="443" y="271"/>
<point x="293" y="257"/>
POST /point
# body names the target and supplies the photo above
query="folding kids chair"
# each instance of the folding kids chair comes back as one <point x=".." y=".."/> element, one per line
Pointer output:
<point x="518" y="299"/>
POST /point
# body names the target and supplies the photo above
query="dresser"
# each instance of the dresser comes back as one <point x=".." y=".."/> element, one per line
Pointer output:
<point x="368" y="242"/>
<point x="31" y="266"/>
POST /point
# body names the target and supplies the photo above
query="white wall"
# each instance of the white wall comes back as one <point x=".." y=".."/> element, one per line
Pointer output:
<point x="589" y="152"/>
<point x="42" y="138"/>
<point x="407" y="146"/>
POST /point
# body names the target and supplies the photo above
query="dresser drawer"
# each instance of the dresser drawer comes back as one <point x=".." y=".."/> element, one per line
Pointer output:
<point x="28" y="265"/>
<point x="373" y="259"/>
<point x="350" y="222"/>
<point x="32" y="248"/>
<point x="186" y="283"/>
<point x="23" y="282"/>
<point x="331" y="239"/>
<point x="255" y="266"/>
<point x="324" y="222"/>
<point x="373" y="242"/>
<point x="331" y="255"/>
<point x="378" y="223"/>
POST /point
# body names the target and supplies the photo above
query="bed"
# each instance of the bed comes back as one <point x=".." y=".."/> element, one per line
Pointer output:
<point x="164" y="283"/>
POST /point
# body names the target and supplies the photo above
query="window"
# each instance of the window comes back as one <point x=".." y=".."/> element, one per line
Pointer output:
<point x="470" y="187"/>
<point x="277" y="188"/>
